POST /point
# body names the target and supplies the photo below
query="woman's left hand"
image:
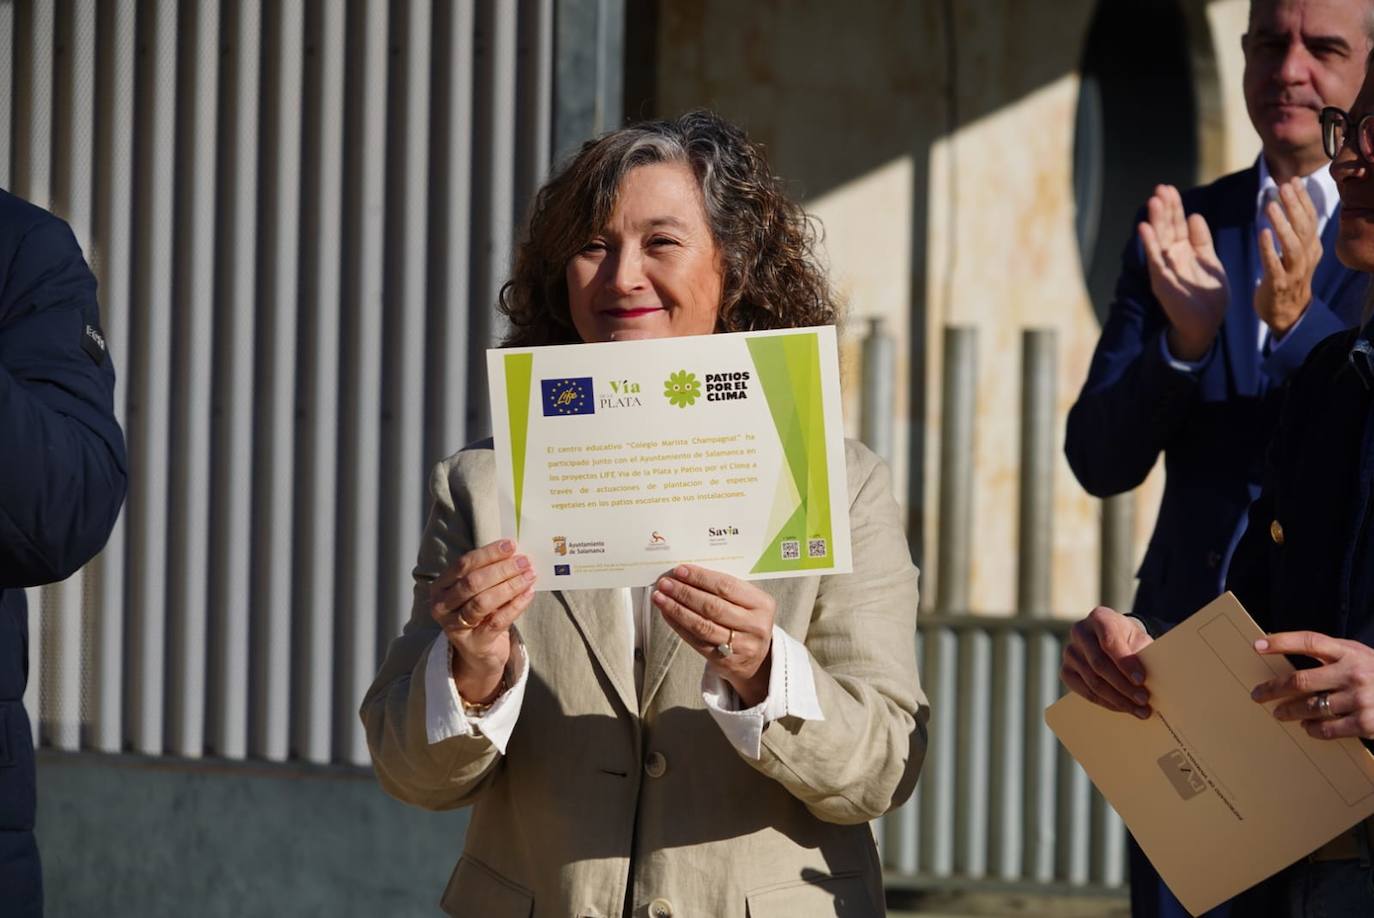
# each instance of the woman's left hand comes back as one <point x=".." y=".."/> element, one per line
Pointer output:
<point x="711" y="610"/>
<point x="1345" y="679"/>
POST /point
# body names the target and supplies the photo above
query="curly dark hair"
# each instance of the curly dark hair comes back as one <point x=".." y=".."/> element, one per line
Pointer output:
<point x="767" y="242"/>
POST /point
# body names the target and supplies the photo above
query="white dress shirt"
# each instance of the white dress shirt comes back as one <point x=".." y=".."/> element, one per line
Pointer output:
<point x="1321" y="187"/>
<point x="791" y="687"/>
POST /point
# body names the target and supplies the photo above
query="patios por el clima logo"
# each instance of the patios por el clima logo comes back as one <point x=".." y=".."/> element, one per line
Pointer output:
<point x="682" y="389"/>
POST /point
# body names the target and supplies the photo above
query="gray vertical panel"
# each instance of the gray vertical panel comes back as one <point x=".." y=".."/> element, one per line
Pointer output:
<point x="113" y="267"/>
<point x="72" y="200"/>
<point x="494" y="183"/>
<point x="33" y="688"/>
<point x="1008" y="735"/>
<point x="365" y="191"/>
<point x="1075" y="826"/>
<point x="534" y="138"/>
<point x="403" y="461"/>
<point x="1042" y="688"/>
<point x="235" y="303"/>
<point x="971" y="780"/>
<point x="590" y="48"/>
<point x="959" y="406"/>
<point x="6" y="91"/>
<point x="193" y="332"/>
<point x="1108" y="850"/>
<point x="275" y="453"/>
<point x="450" y="237"/>
<point x="937" y="779"/>
<point x="321" y="248"/>
<point x="151" y="377"/>
<point x="34" y="158"/>
<point x="1038" y="454"/>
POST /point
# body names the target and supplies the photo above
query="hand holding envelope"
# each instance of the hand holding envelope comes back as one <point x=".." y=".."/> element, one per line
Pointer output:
<point x="1219" y="791"/>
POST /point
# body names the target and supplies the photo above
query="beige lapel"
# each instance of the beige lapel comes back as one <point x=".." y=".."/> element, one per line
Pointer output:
<point x="598" y="616"/>
<point x="663" y="646"/>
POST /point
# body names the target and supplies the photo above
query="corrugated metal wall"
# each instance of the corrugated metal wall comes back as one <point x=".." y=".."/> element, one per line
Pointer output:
<point x="299" y="214"/>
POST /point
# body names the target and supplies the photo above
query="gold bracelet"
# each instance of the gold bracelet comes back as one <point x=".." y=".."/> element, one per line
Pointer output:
<point x="474" y="709"/>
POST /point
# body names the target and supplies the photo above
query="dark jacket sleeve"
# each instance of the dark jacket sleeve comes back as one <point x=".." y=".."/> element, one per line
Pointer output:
<point x="1133" y="400"/>
<point x="62" y="461"/>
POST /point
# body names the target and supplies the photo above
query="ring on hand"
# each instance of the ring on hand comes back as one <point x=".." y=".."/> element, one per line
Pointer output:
<point x="726" y="649"/>
<point x="1324" y="705"/>
<point x="467" y="625"/>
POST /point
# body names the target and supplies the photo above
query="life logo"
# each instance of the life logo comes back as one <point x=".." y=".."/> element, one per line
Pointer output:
<point x="569" y="395"/>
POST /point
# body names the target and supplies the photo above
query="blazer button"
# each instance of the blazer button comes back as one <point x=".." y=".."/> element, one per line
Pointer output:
<point x="660" y="908"/>
<point x="1276" y="532"/>
<point x="655" y="766"/>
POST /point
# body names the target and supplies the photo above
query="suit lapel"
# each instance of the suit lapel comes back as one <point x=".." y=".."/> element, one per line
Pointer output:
<point x="663" y="647"/>
<point x="598" y="616"/>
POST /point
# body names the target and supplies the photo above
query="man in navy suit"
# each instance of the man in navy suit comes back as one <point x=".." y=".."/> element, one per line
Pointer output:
<point x="62" y="480"/>
<point x="1222" y="294"/>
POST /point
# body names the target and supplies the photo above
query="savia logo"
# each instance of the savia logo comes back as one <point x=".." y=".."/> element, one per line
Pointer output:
<point x="682" y="388"/>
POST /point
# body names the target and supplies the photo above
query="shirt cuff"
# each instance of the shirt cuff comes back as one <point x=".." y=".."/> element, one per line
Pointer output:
<point x="1274" y="345"/>
<point x="1191" y="367"/>
<point x="791" y="693"/>
<point x="444" y="714"/>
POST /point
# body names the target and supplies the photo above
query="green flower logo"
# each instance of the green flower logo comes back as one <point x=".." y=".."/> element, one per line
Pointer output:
<point x="682" y="388"/>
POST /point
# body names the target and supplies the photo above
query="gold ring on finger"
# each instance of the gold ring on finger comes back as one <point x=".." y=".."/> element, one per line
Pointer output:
<point x="467" y="625"/>
<point x="727" y="648"/>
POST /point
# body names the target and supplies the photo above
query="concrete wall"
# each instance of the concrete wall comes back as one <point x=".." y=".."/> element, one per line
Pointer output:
<point x="934" y="140"/>
<point x="122" y="836"/>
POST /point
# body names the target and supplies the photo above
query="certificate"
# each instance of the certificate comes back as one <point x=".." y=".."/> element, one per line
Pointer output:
<point x="1218" y="793"/>
<point x="617" y="461"/>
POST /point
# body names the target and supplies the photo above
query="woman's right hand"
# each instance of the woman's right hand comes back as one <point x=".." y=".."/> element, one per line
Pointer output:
<point x="1101" y="664"/>
<point x="476" y="600"/>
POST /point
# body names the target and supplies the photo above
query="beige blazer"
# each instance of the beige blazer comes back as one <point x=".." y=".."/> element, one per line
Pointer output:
<point x="569" y="821"/>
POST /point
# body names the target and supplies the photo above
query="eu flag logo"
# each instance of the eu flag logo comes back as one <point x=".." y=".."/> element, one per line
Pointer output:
<point x="568" y="396"/>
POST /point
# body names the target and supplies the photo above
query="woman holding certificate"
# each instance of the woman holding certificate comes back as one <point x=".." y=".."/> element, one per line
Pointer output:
<point x="706" y="746"/>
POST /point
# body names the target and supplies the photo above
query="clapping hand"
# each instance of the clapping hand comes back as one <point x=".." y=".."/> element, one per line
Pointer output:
<point x="1285" y="286"/>
<point x="1185" y="274"/>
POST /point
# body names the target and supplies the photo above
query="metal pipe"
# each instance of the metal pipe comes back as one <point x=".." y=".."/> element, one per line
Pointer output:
<point x="274" y="568"/>
<point x="1118" y="551"/>
<point x="149" y="363"/>
<point x="365" y="188"/>
<point x="958" y="400"/>
<point x="232" y="596"/>
<point x="322" y="269"/>
<point x="1038" y="411"/>
<point x="113" y="264"/>
<point x="1008" y="754"/>
<point x="192" y="394"/>
<point x="876" y="407"/>
<point x="973" y="737"/>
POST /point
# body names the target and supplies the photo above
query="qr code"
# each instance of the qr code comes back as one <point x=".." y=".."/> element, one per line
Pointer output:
<point x="791" y="549"/>
<point x="815" y="548"/>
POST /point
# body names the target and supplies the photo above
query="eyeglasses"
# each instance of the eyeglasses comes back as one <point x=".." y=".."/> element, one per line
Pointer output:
<point x="1336" y="133"/>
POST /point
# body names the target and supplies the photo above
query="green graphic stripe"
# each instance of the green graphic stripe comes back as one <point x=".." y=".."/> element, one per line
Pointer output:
<point x="519" y="370"/>
<point x="788" y="369"/>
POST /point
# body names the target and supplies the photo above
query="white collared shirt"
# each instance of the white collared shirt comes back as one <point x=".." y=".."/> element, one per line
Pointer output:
<point x="791" y="687"/>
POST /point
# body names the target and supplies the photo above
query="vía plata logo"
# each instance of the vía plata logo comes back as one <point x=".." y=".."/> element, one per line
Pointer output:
<point x="682" y="389"/>
<point x="567" y="396"/>
<point x="624" y="394"/>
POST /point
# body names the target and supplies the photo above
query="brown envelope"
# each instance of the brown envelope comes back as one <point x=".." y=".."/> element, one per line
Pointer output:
<point x="1218" y="793"/>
